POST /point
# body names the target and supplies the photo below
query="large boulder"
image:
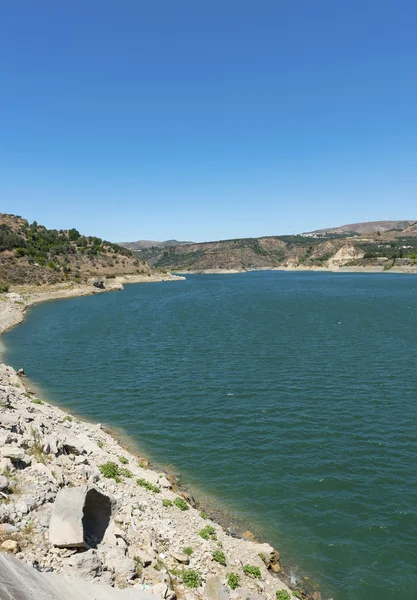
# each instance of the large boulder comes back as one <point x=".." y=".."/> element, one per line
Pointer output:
<point x="80" y="517"/>
<point x="97" y="282"/>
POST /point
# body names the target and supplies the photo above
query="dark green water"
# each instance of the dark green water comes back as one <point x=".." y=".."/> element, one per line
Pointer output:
<point x="290" y="397"/>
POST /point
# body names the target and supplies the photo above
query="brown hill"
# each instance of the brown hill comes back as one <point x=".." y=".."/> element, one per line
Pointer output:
<point x="330" y="250"/>
<point x="366" y="227"/>
<point x="31" y="253"/>
<point x="142" y="244"/>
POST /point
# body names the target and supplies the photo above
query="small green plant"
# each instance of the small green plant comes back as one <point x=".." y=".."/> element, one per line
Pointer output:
<point x="110" y="470"/>
<point x="262" y="557"/>
<point x="28" y="528"/>
<point x="208" y="533"/>
<point x="139" y="565"/>
<point x="166" y="502"/>
<point x="159" y="564"/>
<point x="37" y="401"/>
<point x="100" y="444"/>
<point x="191" y="578"/>
<point x="180" y="503"/>
<point x="188" y="550"/>
<point x="36" y="449"/>
<point x="3" y="287"/>
<point x="123" y="460"/>
<point x="125" y="472"/>
<point x="148" y="486"/>
<point x="252" y="571"/>
<point x="233" y="581"/>
<point x="203" y="514"/>
<point x="141" y="464"/>
<point x="68" y="418"/>
<point x="297" y="594"/>
<point x="283" y="595"/>
<point x="220" y="557"/>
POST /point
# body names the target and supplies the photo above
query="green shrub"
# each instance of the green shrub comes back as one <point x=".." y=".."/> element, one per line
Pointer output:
<point x="252" y="571"/>
<point x="110" y="470"/>
<point x="233" y="581"/>
<point x="4" y="287"/>
<point x="123" y="460"/>
<point x="166" y="502"/>
<point x="220" y="557"/>
<point x="67" y="418"/>
<point x="37" y="401"/>
<point x="147" y="485"/>
<point x="187" y="550"/>
<point x="208" y="533"/>
<point x="125" y="472"/>
<point x="100" y="444"/>
<point x="283" y="595"/>
<point x="180" y="503"/>
<point x="203" y="514"/>
<point x="191" y="578"/>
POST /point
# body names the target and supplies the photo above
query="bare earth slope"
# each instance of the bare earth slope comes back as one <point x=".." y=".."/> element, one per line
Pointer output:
<point x="366" y="227"/>
<point x="379" y="248"/>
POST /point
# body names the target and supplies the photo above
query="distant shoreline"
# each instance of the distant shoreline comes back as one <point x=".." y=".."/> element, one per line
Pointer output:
<point x="301" y="269"/>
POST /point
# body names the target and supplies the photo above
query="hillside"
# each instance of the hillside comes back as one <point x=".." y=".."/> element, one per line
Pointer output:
<point x="142" y="244"/>
<point x="327" y="250"/>
<point x="31" y="253"/>
<point x="366" y="227"/>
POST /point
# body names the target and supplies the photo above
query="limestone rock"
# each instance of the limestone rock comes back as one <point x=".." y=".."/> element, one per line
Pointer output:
<point x="3" y="482"/>
<point x="86" y="565"/>
<point x="181" y="557"/>
<point x="121" y="565"/>
<point x="13" y="452"/>
<point x="97" y="282"/>
<point x="80" y="517"/>
<point x="215" y="590"/>
<point x="7" y="528"/>
<point x="10" y="546"/>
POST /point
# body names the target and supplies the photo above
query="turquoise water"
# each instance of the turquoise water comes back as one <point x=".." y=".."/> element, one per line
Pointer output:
<point x="290" y="397"/>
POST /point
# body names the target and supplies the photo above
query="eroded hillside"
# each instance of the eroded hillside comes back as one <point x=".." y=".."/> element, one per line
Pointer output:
<point x="377" y="249"/>
<point x="33" y="254"/>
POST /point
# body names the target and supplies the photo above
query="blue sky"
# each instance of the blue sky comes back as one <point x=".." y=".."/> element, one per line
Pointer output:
<point x="207" y="120"/>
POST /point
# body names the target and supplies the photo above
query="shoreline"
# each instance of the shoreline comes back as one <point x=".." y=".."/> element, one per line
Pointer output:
<point x="304" y="269"/>
<point x="11" y="314"/>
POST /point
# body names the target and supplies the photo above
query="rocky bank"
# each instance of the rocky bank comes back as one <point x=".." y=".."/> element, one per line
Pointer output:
<point x="74" y="501"/>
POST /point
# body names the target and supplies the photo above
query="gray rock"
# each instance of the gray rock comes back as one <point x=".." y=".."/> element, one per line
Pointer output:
<point x="80" y="517"/>
<point x="215" y="590"/>
<point x="181" y="557"/>
<point x="165" y="483"/>
<point x="13" y="452"/>
<point x="86" y="565"/>
<point x="3" y="482"/>
<point x="161" y="590"/>
<point x="121" y="565"/>
<point x="22" y="582"/>
<point x="6" y="528"/>
<point x="97" y="282"/>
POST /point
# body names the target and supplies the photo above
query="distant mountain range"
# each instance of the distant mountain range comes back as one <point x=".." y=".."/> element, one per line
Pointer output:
<point x="141" y="244"/>
<point x="367" y="227"/>
<point x="357" y="244"/>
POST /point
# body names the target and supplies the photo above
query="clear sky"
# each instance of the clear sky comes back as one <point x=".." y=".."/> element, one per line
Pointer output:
<point x="208" y="119"/>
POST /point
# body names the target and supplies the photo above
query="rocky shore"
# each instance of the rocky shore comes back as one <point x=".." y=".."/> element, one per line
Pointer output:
<point x="73" y="501"/>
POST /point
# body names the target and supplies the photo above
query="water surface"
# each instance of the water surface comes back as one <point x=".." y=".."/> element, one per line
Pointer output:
<point x="289" y="397"/>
